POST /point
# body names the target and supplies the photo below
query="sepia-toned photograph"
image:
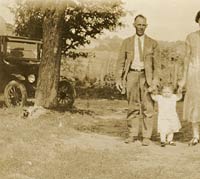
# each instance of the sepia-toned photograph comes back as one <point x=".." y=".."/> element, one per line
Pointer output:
<point x="99" y="89"/>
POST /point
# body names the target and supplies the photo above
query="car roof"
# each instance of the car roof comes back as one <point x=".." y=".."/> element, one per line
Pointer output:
<point x="20" y="39"/>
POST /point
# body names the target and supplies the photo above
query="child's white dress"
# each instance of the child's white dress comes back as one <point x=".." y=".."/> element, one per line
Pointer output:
<point x="168" y="121"/>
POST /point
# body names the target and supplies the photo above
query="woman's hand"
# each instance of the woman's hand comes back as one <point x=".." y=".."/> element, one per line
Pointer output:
<point x="181" y="84"/>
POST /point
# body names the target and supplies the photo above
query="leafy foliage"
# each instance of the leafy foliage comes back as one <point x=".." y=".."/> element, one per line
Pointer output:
<point x="83" y="20"/>
<point x="172" y="56"/>
<point x="94" y="89"/>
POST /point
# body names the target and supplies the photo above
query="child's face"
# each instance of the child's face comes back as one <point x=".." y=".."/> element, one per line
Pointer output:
<point x="167" y="92"/>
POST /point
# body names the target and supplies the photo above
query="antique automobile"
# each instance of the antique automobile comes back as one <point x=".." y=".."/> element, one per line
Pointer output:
<point x="19" y="63"/>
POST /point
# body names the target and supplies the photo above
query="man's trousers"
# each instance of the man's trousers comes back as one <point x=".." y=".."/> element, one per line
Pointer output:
<point x="140" y="105"/>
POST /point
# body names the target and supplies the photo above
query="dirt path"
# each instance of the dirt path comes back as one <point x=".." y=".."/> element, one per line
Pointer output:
<point x="79" y="146"/>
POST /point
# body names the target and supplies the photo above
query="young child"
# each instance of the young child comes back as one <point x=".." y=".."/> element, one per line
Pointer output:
<point x="168" y="122"/>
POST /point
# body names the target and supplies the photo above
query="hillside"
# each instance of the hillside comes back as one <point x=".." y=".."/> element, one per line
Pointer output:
<point x="103" y="55"/>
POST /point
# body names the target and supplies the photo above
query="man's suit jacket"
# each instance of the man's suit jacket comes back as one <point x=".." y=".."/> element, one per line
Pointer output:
<point x="151" y="59"/>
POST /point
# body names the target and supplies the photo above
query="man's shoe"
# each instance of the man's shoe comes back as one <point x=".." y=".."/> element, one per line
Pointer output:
<point x="131" y="139"/>
<point x="128" y="140"/>
<point x="146" y="142"/>
<point x="162" y="144"/>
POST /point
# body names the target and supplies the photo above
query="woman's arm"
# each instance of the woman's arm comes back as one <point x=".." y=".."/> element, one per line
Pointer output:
<point x="179" y="96"/>
<point x="182" y="82"/>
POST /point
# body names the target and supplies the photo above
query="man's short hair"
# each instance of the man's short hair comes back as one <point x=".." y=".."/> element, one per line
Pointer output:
<point x="140" y="15"/>
<point x="197" y="17"/>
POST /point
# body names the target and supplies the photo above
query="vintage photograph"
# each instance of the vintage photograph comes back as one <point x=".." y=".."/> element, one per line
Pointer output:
<point x="99" y="89"/>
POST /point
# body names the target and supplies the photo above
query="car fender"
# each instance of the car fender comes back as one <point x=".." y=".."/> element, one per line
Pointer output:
<point x="18" y="77"/>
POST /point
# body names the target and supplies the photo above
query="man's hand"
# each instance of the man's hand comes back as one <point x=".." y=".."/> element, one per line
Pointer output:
<point x="120" y="87"/>
<point x="154" y="87"/>
<point x="152" y="90"/>
<point x="155" y="84"/>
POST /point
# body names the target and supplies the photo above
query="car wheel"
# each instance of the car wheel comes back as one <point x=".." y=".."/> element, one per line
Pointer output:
<point x="15" y="94"/>
<point x="66" y="94"/>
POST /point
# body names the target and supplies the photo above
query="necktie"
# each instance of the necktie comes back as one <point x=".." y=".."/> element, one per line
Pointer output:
<point x="140" y="49"/>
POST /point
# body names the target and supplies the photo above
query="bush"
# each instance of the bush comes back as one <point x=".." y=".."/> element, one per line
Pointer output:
<point x="92" y="88"/>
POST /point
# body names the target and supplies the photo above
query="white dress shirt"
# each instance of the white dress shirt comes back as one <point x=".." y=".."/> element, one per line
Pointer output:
<point x="137" y="64"/>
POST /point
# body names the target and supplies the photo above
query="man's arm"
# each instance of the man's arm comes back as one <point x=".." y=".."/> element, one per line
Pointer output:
<point x="120" y="66"/>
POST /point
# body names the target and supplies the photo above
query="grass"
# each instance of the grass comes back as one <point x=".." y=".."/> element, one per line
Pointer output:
<point x="78" y="145"/>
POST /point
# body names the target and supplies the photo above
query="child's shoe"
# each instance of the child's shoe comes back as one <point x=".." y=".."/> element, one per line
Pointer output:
<point x="172" y="143"/>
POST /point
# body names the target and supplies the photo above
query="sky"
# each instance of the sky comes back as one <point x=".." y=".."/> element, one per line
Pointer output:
<point x="168" y="20"/>
<point x="5" y="12"/>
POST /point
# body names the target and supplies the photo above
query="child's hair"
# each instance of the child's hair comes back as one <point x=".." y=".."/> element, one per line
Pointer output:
<point x="168" y="85"/>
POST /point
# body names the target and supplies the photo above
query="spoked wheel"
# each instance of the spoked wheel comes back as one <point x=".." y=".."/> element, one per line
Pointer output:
<point x="15" y="94"/>
<point x="66" y="94"/>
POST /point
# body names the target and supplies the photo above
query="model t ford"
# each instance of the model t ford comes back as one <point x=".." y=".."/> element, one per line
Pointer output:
<point x="19" y="63"/>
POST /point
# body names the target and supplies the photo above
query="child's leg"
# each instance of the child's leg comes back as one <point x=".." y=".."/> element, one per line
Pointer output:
<point x="170" y="137"/>
<point x="195" y="127"/>
<point x="162" y="137"/>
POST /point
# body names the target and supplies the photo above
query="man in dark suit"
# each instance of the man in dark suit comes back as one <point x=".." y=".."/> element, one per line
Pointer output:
<point x="137" y="71"/>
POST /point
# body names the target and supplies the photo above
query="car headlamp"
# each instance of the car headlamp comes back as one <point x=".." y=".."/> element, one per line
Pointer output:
<point x="31" y="78"/>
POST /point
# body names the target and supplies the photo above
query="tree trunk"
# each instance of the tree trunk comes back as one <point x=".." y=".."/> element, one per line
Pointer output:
<point x="49" y="71"/>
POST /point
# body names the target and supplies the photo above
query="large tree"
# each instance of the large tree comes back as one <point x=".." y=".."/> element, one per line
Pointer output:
<point x="63" y="25"/>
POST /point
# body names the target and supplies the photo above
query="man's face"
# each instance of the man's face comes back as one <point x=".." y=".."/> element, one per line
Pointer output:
<point x="140" y="25"/>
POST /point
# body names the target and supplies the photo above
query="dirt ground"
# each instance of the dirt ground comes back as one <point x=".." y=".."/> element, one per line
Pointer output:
<point x="88" y="143"/>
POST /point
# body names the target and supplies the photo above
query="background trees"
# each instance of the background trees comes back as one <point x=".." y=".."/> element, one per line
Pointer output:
<point x="63" y="25"/>
<point x="83" y="19"/>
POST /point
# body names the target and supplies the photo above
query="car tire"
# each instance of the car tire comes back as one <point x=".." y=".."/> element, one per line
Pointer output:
<point x="15" y="94"/>
<point x="66" y="94"/>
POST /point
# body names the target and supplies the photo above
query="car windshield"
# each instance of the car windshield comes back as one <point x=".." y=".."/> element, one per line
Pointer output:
<point x="19" y="50"/>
